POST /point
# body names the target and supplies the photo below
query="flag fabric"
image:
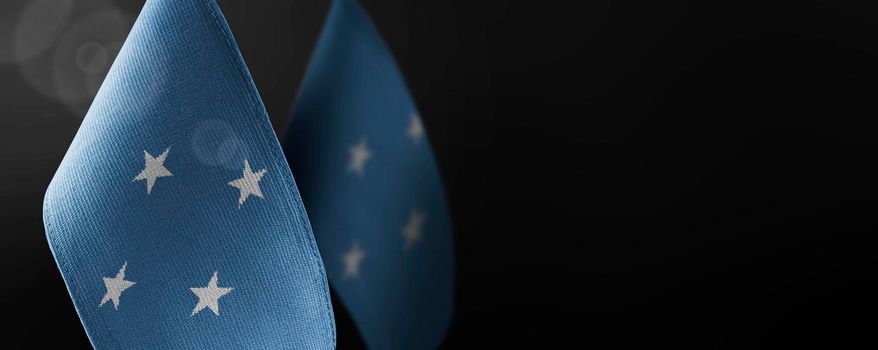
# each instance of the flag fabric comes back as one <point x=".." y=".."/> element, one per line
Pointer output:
<point x="174" y="218"/>
<point x="358" y="148"/>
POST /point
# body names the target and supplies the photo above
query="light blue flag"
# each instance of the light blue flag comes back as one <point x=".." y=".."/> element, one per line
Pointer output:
<point x="174" y="218"/>
<point x="368" y="178"/>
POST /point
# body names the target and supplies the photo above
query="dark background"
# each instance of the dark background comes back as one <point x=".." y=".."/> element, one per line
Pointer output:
<point x="694" y="174"/>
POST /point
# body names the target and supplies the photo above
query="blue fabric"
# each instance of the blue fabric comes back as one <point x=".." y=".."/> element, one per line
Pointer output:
<point x="180" y="94"/>
<point x="353" y="94"/>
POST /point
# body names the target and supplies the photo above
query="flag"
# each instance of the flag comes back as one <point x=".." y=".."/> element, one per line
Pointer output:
<point x="174" y="218"/>
<point x="358" y="148"/>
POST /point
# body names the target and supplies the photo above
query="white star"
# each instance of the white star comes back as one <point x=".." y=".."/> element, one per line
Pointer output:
<point x="352" y="261"/>
<point x="360" y="153"/>
<point x="208" y="297"/>
<point x="416" y="128"/>
<point x="155" y="168"/>
<point x="248" y="184"/>
<point x="115" y="287"/>
<point x="412" y="230"/>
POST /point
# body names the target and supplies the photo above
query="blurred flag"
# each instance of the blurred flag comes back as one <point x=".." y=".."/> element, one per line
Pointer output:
<point x="368" y="178"/>
<point x="174" y="217"/>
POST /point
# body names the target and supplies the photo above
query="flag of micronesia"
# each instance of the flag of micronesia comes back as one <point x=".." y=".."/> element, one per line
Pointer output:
<point x="372" y="188"/>
<point x="174" y="218"/>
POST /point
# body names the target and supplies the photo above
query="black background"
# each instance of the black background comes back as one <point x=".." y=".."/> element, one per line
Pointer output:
<point x="694" y="174"/>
